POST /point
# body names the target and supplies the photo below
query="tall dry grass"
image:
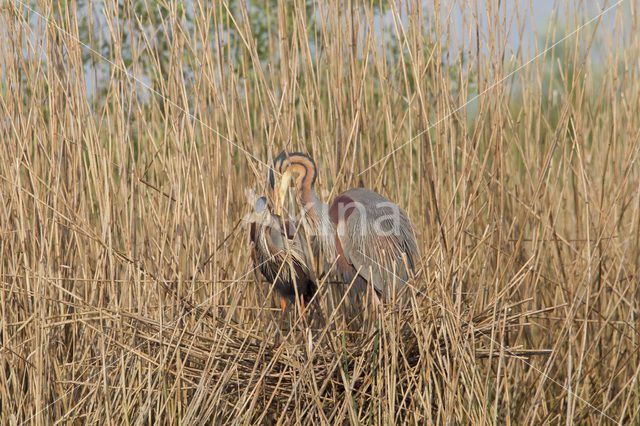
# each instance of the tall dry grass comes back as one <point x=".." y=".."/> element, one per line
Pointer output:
<point x="127" y="289"/>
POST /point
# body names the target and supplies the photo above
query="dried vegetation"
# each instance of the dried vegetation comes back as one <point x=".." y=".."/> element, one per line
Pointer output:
<point x="127" y="290"/>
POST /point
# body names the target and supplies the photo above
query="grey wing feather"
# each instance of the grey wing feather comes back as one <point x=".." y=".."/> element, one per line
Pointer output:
<point x="379" y="240"/>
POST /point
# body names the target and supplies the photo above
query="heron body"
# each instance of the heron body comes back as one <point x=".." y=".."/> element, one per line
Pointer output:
<point x="370" y="238"/>
<point x="373" y="239"/>
<point x="280" y="256"/>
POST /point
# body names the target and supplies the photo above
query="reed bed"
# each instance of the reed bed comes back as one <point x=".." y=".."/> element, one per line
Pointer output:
<point x="135" y="135"/>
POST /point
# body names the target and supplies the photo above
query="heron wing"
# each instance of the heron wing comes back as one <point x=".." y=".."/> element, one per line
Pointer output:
<point x="377" y="239"/>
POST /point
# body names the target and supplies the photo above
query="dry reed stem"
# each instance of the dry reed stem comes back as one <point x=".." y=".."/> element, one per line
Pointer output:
<point x="127" y="291"/>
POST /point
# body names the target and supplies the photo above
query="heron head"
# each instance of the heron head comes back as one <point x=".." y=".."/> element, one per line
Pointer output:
<point x="260" y="205"/>
<point x="296" y="167"/>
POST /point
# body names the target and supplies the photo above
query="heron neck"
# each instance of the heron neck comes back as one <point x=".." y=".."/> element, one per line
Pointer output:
<point x="312" y="204"/>
<point x="318" y="213"/>
<point x="307" y="194"/>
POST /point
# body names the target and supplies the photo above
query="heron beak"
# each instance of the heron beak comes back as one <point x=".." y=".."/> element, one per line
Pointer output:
<point x="282" y="191"/>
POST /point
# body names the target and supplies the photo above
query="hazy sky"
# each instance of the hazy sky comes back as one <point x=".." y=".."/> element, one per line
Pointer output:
<point x="531" y="22"/>
<point x="533" y="17"/>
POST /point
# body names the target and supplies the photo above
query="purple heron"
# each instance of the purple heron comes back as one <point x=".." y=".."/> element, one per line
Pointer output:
<point x="370" y="238"/>
<point x="280" y="256"/>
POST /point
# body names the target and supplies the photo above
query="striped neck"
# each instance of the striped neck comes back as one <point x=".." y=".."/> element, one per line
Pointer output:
<point x="316" y="213"/>
<point x="304" y="170"/>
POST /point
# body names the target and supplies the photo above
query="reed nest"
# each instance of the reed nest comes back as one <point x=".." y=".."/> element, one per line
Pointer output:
<point x="222" y="362"/>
